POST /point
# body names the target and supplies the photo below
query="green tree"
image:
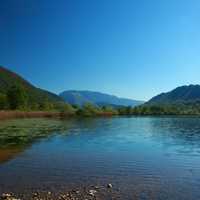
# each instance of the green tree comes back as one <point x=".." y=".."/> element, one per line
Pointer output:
<point x="65" y="108"/>
<point x="128" y="110"/>
<point x="3" y="102"/>
<point x="46" y="105"/>
<point x="89" y="110"/>
<point x="34" y="106"/>
<point x="17" y="97"/>
<point x="109" y="110"/>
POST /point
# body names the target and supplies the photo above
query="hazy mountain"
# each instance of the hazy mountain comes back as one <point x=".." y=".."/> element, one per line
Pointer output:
<point x="190" y="93"/>
<point x="37" y="95"/>
<point x="82" y="97"/>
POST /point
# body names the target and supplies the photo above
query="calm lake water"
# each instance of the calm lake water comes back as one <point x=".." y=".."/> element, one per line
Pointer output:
<point x="144" y="157"/>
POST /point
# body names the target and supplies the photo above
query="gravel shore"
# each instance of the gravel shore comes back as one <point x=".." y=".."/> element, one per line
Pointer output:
<point x="90" y="193"/>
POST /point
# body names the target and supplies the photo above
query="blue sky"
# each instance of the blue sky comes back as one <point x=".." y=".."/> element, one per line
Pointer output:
<point x="131" y="48"/>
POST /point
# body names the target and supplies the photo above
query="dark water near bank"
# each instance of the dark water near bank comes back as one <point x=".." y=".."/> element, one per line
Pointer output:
<point x="144" y="157"/>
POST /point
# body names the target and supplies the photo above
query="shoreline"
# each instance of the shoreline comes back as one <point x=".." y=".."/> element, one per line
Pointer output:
<point x="31" y="114"/>
<point x="55" y="114"/>
<point x="44" y="114"/>
<point x="93" y="192"/>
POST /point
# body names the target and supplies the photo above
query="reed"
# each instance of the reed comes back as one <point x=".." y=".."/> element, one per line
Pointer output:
<point x="31" y="114"/>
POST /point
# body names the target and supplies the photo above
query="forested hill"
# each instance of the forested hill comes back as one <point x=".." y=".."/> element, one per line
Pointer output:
<point x="183" y="94"/>
<point x="34" y="95"/>
<point x="184" y="100"/>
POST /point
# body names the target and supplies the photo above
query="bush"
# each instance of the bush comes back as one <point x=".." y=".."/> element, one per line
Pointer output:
<point x="109" y="110"/>
<point x="89" y="110"/>
<point x="65" y="108"/>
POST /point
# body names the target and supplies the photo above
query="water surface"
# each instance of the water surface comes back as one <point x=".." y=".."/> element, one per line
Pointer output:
<point x="144" y="157"/>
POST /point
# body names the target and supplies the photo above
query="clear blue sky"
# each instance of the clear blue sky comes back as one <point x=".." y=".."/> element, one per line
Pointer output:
<point x="131" y="48"/>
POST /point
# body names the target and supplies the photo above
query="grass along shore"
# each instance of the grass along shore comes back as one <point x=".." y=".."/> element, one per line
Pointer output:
<point x="43" y="114"/>
<point x="29" y="114"/>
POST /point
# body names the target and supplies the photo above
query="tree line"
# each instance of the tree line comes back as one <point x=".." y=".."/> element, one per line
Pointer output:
<point x="16" y="98"/>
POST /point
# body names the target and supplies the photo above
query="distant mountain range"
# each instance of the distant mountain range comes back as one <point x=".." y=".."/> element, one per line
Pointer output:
<point x="187" y="94"/>
<point x="81" y="97"/>
<point x="37" y="95"/>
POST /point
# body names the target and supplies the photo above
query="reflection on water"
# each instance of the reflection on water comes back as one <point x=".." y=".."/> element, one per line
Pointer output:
<point x="8" y="153"/>
<point x="147" y="158"/>
<point x="17" y="132"/>
<point x="17" y="135"/>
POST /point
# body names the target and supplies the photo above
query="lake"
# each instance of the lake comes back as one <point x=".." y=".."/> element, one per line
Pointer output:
<point x="142" y="157"/>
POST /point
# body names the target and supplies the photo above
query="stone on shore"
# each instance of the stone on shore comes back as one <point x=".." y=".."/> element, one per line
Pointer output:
<point x="109" y="186"/>
<point x="92" y="192"/>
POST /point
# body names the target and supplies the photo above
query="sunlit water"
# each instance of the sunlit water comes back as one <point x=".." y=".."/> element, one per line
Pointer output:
<point x="144" y="157"/>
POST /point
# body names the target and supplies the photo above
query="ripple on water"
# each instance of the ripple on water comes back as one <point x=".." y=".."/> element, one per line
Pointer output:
<point x="145" y="157"/>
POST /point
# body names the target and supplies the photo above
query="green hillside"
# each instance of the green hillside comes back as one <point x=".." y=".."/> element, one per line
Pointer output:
<point x="35" y="96"/>
<point x="183" y="94"/>
<point x="184" y="100"/>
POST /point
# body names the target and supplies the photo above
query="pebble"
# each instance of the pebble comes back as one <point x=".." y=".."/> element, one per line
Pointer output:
<point x="7" y="196"/>
<point x="70" y="195"/>
<point x="35" y="194"/>
<point x="63" y="196"/>
<point x="92" y="192"/>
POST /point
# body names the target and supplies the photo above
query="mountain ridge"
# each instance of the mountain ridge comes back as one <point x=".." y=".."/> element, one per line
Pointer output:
<point x="80" y="97"/>
<point x="186" y="93"/>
